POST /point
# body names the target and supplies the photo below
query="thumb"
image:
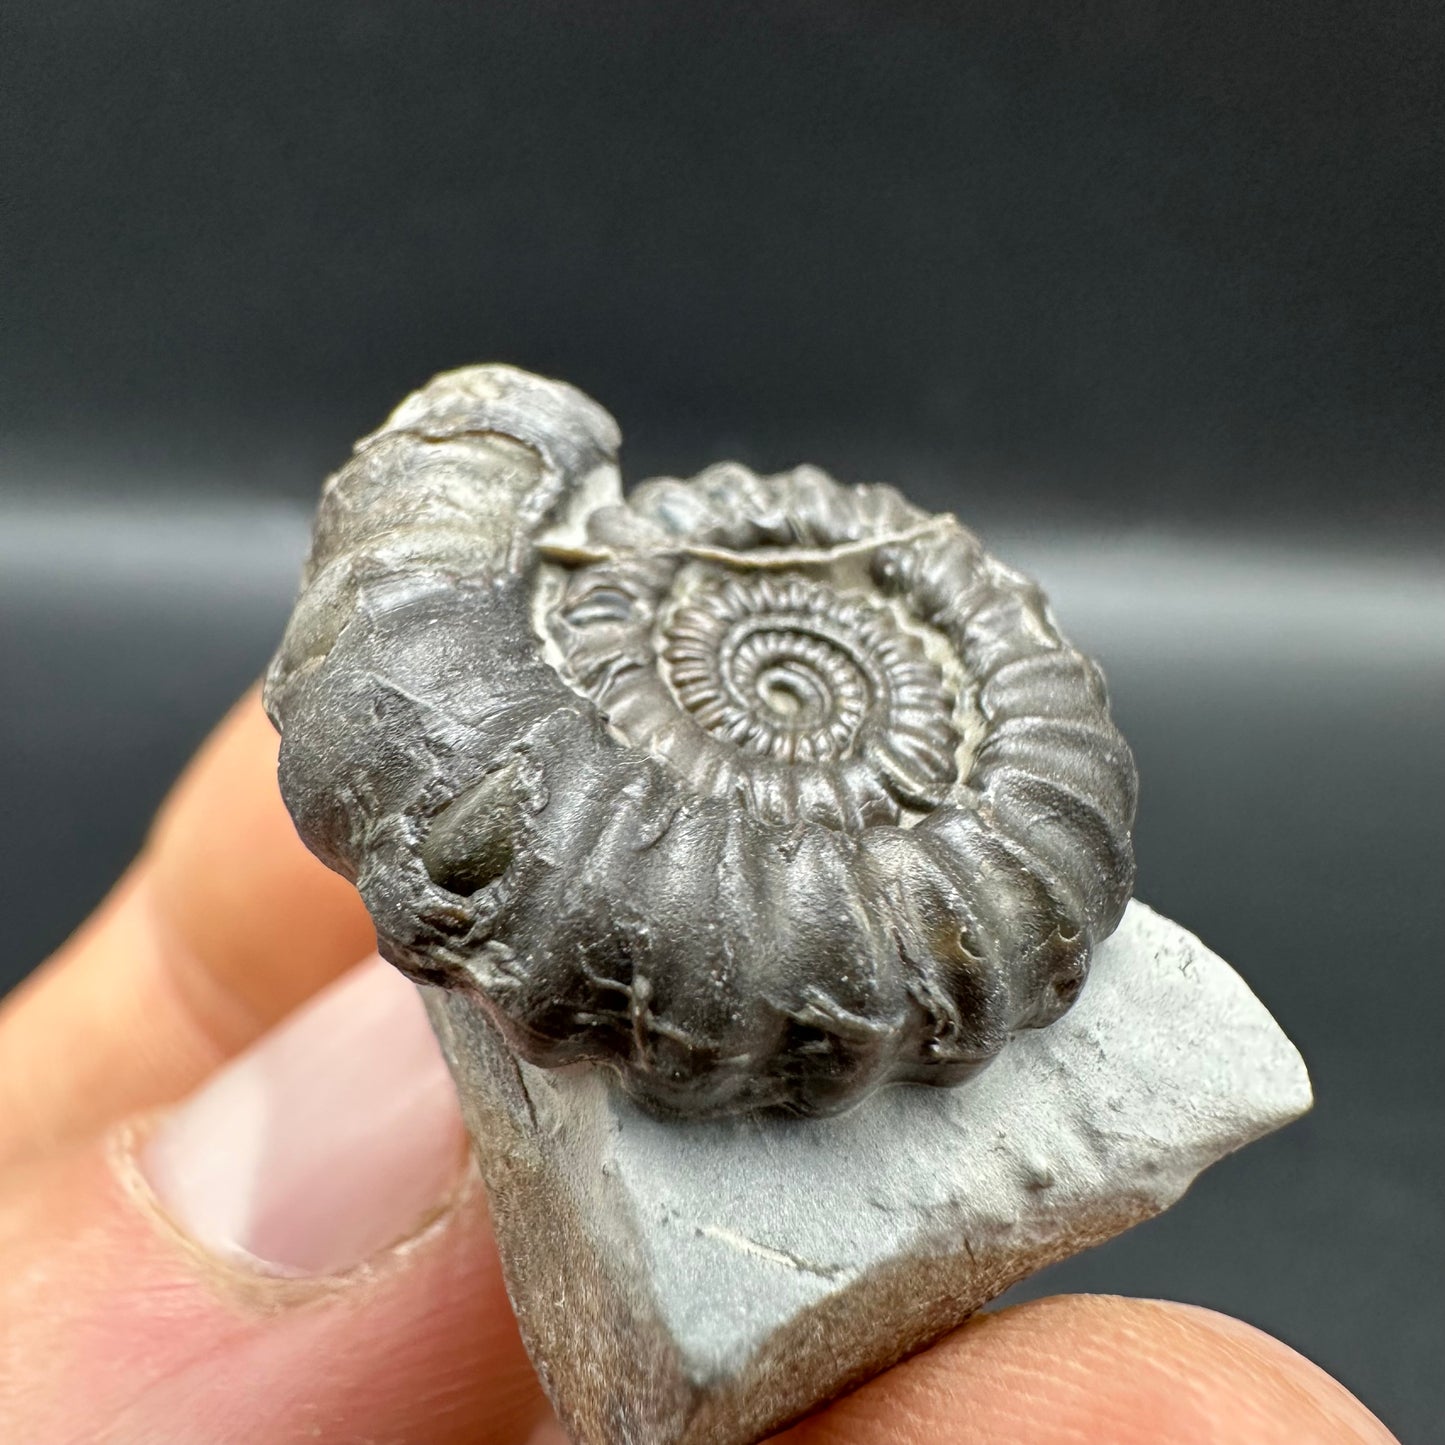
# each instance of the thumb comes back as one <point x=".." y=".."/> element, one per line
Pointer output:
<point x="296" y="1252"/>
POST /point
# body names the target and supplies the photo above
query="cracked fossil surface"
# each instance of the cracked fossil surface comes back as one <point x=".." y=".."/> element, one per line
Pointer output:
<point x="761" y="790"/>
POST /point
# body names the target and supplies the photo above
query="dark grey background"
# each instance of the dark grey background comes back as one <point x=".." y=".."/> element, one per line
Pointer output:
<point x="1149" y="294"/>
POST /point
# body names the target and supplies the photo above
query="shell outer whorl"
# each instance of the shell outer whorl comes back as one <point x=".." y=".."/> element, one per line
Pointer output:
<point x="762" y="790"/>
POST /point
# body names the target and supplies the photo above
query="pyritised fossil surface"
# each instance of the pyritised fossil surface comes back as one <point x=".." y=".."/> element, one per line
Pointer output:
<point x="764" y="791"/>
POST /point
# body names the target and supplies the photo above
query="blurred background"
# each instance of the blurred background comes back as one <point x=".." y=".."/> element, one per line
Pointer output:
<point x="1149" y="294"/>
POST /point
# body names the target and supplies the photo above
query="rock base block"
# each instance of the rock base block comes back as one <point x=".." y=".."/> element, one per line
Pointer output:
<point x="706" y="1283"/>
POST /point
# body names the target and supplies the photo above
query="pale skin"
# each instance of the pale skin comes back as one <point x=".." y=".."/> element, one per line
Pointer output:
<point x="114" y="1327"/>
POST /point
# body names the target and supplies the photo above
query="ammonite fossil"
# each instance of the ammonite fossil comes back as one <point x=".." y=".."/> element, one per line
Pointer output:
<point x="763" y="791"/>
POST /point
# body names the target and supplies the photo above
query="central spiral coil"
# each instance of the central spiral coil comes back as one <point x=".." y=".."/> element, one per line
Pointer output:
<point x="764" y="666"/>
<point x="807" y="701"/>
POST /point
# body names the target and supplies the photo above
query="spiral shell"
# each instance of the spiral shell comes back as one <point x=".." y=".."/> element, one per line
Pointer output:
<point x="764" y="791"/>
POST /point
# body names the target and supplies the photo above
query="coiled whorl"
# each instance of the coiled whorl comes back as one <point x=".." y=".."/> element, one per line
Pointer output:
<point x="764" y="791"/>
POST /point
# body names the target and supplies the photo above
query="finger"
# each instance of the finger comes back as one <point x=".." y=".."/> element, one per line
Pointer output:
<point x="294" y="1254"/>
<point x="1091" y="1369"/>
<point x="224" y="923"/>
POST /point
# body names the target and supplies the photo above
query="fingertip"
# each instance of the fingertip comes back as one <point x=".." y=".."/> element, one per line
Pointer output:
<point x="223" y="925"/>
<point x="269" y="923"/>
<point x="1080" y="1368"/>
<point x="1269" y="1361"/>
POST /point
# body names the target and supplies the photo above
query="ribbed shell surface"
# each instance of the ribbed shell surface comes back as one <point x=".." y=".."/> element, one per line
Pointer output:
<point x="763" y="791"/>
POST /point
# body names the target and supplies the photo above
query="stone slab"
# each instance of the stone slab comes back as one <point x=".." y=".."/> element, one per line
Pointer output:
<point x="705" y="1283"/>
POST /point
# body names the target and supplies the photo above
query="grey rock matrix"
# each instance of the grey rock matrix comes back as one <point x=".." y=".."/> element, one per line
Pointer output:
<point x="681" y="1283"/>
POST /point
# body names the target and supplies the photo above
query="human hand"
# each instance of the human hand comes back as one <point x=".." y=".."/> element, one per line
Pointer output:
<point x="235" y="1204"/>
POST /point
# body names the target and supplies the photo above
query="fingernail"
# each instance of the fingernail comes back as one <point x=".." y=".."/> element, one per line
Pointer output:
<point x="334" y="1136"/>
